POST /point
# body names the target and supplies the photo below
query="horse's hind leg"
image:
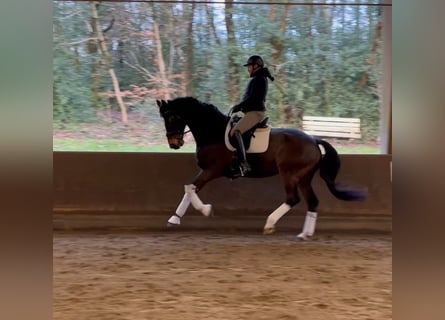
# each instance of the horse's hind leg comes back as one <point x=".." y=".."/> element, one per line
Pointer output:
<point x="312" y="203"/>
<point x="292" y="198"/>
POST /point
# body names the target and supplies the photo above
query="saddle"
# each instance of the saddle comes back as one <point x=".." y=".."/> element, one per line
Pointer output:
<point x="256" y="140"/>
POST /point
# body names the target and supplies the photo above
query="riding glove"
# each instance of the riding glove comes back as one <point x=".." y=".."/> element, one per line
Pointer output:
<point x="236" y="108"/>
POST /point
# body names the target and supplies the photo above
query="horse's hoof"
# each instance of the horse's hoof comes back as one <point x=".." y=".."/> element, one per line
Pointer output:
<point x="172" y="225"/>
<point x="268" y="231"/>
<point x="174" y="221"/>
<point x="303" y="237"/>
<point x="207" y="210"/>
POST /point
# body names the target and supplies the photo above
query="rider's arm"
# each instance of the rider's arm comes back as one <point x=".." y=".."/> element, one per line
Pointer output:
<point x="255" y="94"/>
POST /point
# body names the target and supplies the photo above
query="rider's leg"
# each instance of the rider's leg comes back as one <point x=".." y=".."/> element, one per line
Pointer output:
<point x="241" y="152"/>
<point x="249" y="120"/>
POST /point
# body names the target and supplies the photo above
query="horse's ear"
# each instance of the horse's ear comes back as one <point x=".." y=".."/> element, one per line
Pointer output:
<point x="158" y="103"/>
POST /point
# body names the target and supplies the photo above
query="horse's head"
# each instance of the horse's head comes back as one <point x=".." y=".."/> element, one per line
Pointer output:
<point x="174" y="124"/>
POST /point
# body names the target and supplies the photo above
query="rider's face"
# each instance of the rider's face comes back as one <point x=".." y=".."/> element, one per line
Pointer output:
<point x="251" y="68"/>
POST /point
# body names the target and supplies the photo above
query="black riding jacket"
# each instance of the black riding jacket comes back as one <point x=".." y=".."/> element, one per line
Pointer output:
<point x="254" y="98"/>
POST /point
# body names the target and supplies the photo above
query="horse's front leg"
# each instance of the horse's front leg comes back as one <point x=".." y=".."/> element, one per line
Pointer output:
<point x="197" y="184"/>
<point x="191" y="197"/>
<point x="175" y="220"/>
<point x="190" y="191"/>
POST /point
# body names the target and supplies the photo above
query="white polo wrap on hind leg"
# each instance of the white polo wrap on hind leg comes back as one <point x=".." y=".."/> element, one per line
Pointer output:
<point x="190" y="191"/>
<point x="309" y="224"/>
<point x="276" y="215"/>
<point x="180" y="210"/>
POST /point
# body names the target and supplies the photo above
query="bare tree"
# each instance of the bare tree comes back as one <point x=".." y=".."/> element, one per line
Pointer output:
<point x="232" y="77"/>
<point x="276" y="43"/>
<point x="104" y="50"/>
<point x="276" y="40"/>
<point x="370" y="60"/>
<point x="188" y="67"/>
<point x="211" y="20"/>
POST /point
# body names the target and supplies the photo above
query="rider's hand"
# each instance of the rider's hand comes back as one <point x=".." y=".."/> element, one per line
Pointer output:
<point x="236" y="108"/>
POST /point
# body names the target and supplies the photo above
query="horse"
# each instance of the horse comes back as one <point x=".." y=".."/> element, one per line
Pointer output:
<point x="291" y="153"/>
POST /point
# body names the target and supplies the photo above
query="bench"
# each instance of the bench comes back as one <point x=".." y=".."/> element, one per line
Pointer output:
<point x="332" y="127"/>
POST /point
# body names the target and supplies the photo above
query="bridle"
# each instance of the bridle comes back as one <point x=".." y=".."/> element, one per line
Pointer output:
<point x="172" y="133"/>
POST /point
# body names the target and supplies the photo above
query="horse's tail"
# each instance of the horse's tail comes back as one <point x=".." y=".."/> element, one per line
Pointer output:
<point x="329" y="168"/>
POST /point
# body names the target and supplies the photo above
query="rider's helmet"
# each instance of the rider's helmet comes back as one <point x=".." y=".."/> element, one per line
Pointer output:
<point x="255" y="60"/>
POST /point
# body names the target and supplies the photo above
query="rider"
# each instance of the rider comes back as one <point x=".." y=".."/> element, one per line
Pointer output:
<point x="252" y="105"/>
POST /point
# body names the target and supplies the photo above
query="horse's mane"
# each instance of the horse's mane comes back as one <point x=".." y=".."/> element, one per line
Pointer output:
<point x="191" y="105"/>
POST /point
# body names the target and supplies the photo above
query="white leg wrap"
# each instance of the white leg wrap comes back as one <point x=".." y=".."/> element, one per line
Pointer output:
<point x="309" y="225"/>
<point x="174" y="220"/>
<point x="276" y="215"/>
<point x="180" y="210"/>
<point x="185" y="202"/>
<point x="190" y="190"/>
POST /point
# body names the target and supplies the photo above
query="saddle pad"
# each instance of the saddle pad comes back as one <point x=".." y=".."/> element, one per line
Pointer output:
<point x="258" y="144"/>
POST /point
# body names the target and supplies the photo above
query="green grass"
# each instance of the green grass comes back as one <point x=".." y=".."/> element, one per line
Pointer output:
<point x="359" y="149"/>
<point x="112" y="146"/>
<point x="119" y="146"/>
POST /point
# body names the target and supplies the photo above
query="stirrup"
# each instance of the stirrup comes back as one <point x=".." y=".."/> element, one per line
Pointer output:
<point x="244" y="168"/>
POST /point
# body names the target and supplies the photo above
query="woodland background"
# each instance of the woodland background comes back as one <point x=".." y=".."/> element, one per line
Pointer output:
<point x="112" y="60"/>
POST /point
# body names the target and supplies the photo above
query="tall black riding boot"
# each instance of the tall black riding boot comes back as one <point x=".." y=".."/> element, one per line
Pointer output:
<point x="241" y="152"/>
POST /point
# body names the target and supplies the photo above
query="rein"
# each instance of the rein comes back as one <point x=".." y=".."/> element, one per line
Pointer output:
<point x="176" y="132"/>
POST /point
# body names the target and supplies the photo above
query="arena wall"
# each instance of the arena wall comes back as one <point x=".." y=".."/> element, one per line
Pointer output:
<point x="141" y="191"/>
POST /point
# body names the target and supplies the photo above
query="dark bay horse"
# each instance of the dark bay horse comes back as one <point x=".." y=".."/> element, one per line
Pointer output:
<point x="291" y="153"/>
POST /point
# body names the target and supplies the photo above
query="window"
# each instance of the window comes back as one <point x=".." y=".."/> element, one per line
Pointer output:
<point x="113" y="60"/>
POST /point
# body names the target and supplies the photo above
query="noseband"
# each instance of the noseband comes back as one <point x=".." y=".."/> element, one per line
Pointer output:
<point x="170" y="134"/>
<point x="173" y="133"/>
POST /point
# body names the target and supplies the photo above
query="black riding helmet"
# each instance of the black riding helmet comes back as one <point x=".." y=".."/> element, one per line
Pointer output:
<point x="255" y="60"/>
